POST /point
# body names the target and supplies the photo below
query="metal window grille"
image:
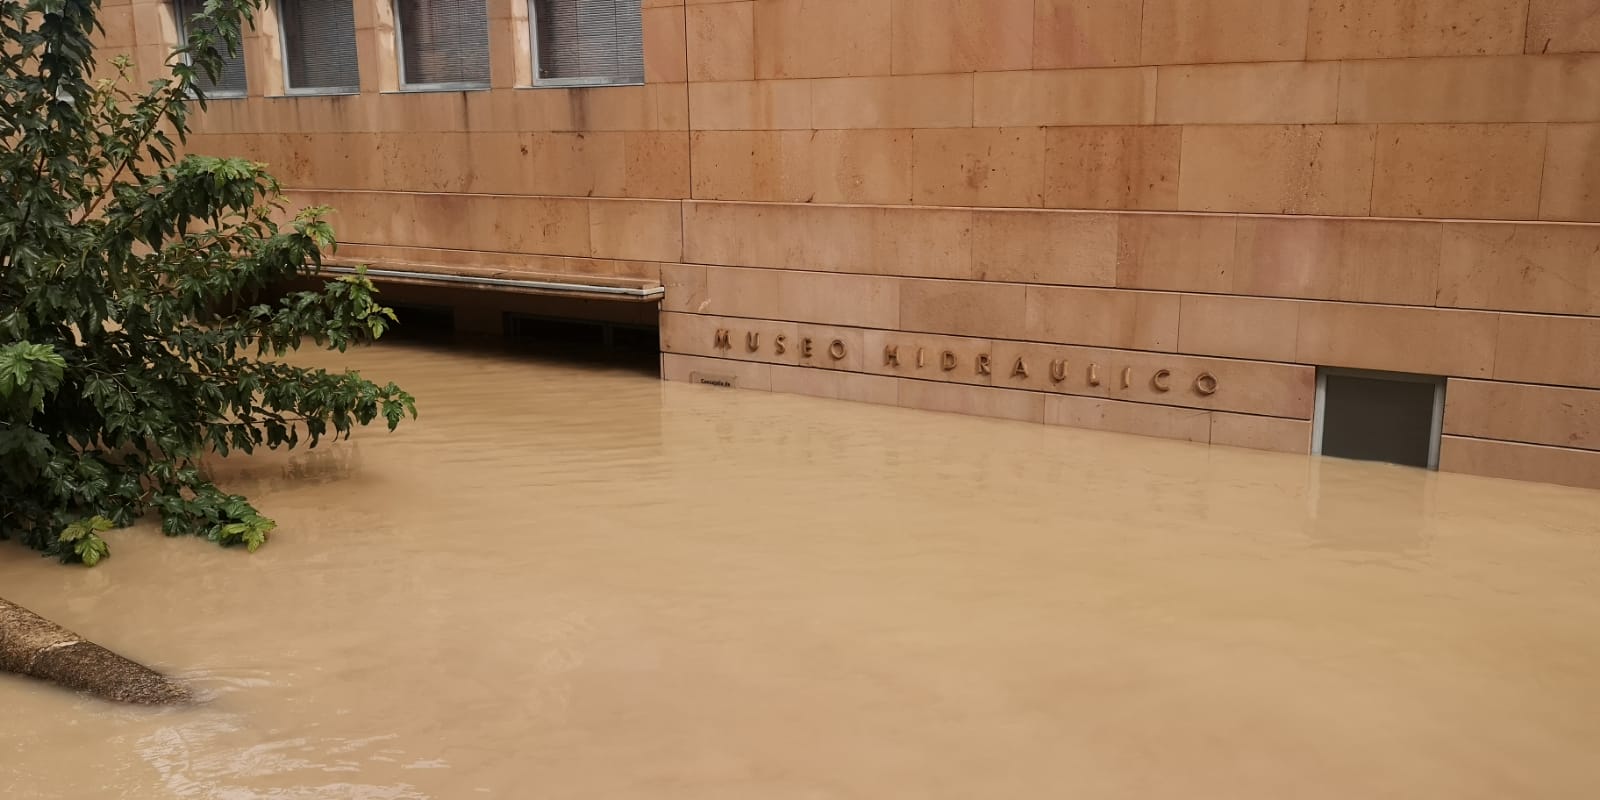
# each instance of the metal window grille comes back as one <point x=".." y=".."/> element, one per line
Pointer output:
<point x="588" y="41"/>
<point x="443" y="42"/>
<point x="319" y="45"/>
<point x="231" y="81"/>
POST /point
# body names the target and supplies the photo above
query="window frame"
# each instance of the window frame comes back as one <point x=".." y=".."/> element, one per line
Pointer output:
<point x="289" y="89"/>
<point x="441" y="86"/>
<point x="1440" y="385"/>
<point x="213" y="92"/>
<point x="569" y="83"/>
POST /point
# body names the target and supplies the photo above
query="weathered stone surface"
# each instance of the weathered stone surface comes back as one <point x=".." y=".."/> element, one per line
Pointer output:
<point x="34" y="646"/>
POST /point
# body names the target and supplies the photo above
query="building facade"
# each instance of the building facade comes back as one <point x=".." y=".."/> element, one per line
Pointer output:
<point x="1259" y="223"/>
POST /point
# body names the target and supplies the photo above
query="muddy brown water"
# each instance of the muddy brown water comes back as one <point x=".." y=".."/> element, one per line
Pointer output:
<point x="579" y="582"/>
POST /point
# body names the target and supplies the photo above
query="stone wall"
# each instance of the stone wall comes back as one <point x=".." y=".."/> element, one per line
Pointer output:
<point x="1241" y="188"/>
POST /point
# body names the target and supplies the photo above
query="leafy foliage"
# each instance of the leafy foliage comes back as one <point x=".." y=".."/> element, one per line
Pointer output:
<point x="132" y="339"/>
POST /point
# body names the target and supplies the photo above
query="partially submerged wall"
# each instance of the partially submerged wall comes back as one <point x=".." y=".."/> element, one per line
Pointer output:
<point x="1246" y="188"/>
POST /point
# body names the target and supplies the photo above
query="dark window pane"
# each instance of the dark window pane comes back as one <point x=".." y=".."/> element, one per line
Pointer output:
<point x="1374" y="419"/>
<point x="231" y="82"/>
<point x="444" y="41"/>
<point x="600" y="40"/>
<point x="319" y="44"/>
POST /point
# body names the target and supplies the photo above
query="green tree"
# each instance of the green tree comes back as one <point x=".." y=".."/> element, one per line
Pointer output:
<point x="133" y="338"/>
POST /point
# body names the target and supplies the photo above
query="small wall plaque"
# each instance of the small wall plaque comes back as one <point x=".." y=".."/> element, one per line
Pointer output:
<point x="713" y="379"/>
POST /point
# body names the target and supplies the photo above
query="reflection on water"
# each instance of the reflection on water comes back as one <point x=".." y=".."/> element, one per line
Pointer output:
<point x="577" y="582"/>
<point x="300" y="468"/>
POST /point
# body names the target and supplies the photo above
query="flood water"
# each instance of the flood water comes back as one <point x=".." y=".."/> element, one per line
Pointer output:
<point x="579" y="582"/>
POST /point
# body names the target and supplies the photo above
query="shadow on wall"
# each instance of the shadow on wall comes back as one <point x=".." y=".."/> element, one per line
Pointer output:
<point x="563" y="329"/>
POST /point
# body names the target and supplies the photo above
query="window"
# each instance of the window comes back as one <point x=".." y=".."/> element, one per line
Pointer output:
<point x="319" y="46"/>
<point x="1379" y="416"/>
<point x="230" y="82"/>
<point x="443" y="43"/>
<point x="587" y="42"/>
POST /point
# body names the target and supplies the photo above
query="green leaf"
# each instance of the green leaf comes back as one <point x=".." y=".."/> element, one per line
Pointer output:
<point x="91" y="549"/>
<point x="133" y="337"/>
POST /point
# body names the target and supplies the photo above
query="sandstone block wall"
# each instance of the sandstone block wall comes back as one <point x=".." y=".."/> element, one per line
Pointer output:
<point x="1246" y="189"/>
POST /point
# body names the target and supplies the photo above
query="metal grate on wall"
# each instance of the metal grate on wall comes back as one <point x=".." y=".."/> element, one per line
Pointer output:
<point x="319" y="45"/>
<point x="588" y="41"/>
<point x="231" y="81"/>
<point x="443" y="42"/>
